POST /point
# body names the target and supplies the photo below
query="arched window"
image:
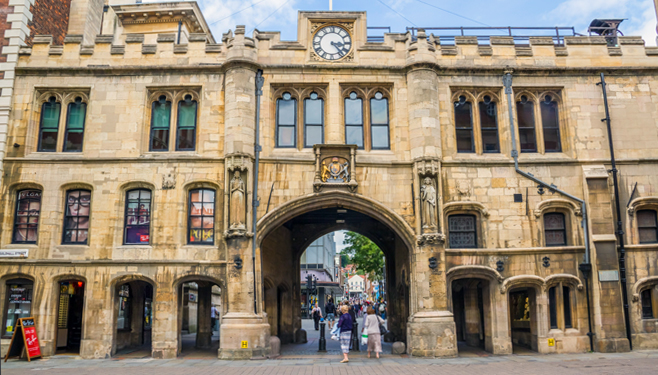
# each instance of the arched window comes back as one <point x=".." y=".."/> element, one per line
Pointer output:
<point x="489" y="125"/>
<point x="552" y="307"/>
<point x="313" y="120"/>
<point x="186" y="129"/>
<point x="462" y="231"/>
<point x="201" y="220"/>
<point x="75" y="126"/>
<point x="550" y="125"/>
<point x="647" y="304"/>
<point x="647" y="226"/>
<point x="559" y="307"/>
<point x="26" y="221"/>
<point x="160" y="124"/>
<point x="525" y="111"/>
<point x="49" y="125"/>
<point x="125" y="303"/>
<point x="464" y="125"/>
<point x="286" y="121"/>
<point x="76" y="217"/>
<point x="19" y="304"/>
<point x="137" y="217"/>
<point x="354" y="120"/>
<point x="379" y="122"/>
<point x="555" y="230"/>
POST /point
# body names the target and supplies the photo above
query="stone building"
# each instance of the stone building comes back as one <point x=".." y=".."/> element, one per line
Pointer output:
<point x="131" y="173"/>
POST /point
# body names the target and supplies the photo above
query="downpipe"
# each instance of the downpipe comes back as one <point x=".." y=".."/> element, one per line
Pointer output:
<point x="255" y="201"/>
<point x="586" y="266"/>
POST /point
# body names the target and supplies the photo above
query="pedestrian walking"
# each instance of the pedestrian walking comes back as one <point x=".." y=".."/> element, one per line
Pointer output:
<point x="345" y="325"/>
<point x="371" y="325"/>
<point x="330" y="310"/>
<point x="214" y="314"/>
<point x="317" y="315"/>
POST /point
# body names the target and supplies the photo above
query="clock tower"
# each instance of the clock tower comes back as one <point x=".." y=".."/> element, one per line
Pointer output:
<point x="332" y="37"/>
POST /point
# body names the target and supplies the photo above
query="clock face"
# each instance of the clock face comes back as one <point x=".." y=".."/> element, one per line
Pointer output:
<point x="332" y="43"/>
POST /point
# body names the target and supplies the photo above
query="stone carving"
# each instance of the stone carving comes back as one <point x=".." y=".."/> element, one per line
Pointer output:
<point x="334" y="167"/>
<point x="336" y="171"/>
<point x="237" y="209"/>
<point x="463" y="188"/>
<point x="430" y="238"/>
<point x="169" y="181"/>
<point x="427" y="167"/>
<point x="428" y="197"/>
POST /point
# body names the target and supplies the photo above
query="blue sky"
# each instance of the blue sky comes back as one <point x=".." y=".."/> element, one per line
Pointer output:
<point x="281" y="15"/>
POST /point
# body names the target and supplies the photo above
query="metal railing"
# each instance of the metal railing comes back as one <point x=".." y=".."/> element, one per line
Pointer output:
<point x="380" y="30"/>
<point x="520" y="35"/>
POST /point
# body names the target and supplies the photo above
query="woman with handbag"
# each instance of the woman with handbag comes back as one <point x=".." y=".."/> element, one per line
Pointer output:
<point x="372" y="323"/>
<point x="345" y="325"/>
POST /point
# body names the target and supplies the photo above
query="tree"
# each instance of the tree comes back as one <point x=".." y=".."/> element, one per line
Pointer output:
<point x="365" y="255"/>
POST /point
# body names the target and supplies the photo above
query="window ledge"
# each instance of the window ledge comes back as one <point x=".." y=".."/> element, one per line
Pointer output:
<point x="20" y="246"/>
<point x="168" y="154"/>
<point x="199" y="247"/>
<point x="140" y="247"/>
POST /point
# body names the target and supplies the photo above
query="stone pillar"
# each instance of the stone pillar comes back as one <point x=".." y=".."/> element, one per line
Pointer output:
<point x="501" y="341"/>
<point x="85" y="19"/>
<point x="204" y="329"/>
<point x="165" y="330"/>
<point x="472" y="315"/>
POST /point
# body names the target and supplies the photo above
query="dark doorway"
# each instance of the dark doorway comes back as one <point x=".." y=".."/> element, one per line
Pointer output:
<point x="70" y="315"/>
<point x="523" y="327"/>
<point x="134" y="319"/>
<point x="472" y="310"/>
<point x="200" y="314"/>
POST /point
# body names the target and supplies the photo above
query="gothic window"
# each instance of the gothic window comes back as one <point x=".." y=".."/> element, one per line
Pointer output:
<point x="49" y="125"/>
<point x="186" y="129"/>
<point x="137" y="217"/>
<point x="125" y="302"/>
<point x="462" y="231"/>
<point x="18" y="304"/>
<point x="566" y="303"/>
<point x="75" y="126"/>
<point x="26" y="221"/>
<point x="464" y="125"/>
<point x="76" y="217"/>
<point x="559" y="307"/>
<point x="555" y="230"/>
<point x="647" y="228"/>
<point x="525" y="110"/>
<point x="550" y="125"/>
<point x="313" y="120"/>
<point x="286" y="121"/>
<point x="647" y="305"/>
<point x="489" y="125"/>
<point x="160" y="123"/>
<point x="354" y="120"/>
<point x="379" y="122"/>
<point x="552" y="307"/>
<point x="201" y="220"/>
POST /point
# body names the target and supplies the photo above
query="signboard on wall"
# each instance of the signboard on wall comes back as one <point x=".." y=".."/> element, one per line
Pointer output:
<point x="14" y="253"/>
<point x="24" y="338"/>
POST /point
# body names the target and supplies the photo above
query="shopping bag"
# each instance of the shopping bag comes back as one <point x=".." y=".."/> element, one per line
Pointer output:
<point x="364" y="337"/>
<point x="334" y="330"/>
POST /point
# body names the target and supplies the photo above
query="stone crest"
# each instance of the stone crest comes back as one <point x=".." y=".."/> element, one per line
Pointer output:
<point x="168" y="181"/>
<point x="334" y="167"/>
<point x="335" y="170"/>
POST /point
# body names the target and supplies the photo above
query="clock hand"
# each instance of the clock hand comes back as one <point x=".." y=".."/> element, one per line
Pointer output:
<point x="340" y="50"/>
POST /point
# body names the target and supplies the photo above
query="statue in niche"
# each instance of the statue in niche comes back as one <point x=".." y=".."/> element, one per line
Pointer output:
<point x="237" y="202"/>
<point x="428" y="197"/>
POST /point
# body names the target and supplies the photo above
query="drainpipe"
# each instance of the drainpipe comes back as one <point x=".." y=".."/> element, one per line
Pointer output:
<point x="620" y="230"/>
<point x="255" y="202"/>
<point x="180" y="27"/>
<point x="586" y="266"/>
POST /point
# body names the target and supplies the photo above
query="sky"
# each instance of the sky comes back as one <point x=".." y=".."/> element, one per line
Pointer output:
<point x="281" y="15"/>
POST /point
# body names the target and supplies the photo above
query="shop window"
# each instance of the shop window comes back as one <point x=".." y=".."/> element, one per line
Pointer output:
<point x="186" y="129"/>
<point x="49" y="125"/>
<point x="647" y="227"/>
<point x="201" y="219"/>
<point x="313" y="120"/>
<point x="489" y="125"/>
<point x="125" y="303"/>
<point x="379" y="122"/>
<point x="75" y="126"/>
<point x="160" y="124"/>
<point x="137" y="217"/>
<point x="552" y="306"/>
<point x="464" y="125"/>
<point x="555" y="230"/>
<point x="462" y="231"/>
<point x="354" y="120"/>
<point x="525" y="111"/>
<point x="647" y="304"/>
<point x="76" y="217"/>
<point x="26" y="221"/>
<point x="286" y="121"/>
<point x="19" y="304"/>
<point x="550" y="125"/>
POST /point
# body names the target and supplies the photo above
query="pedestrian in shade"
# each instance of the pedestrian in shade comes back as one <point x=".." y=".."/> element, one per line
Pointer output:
<point x="345" y="325"/>
<point x="371" y="323"/>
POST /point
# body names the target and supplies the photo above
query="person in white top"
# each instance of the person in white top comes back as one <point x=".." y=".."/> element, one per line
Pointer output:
<point x="214" y="314"/>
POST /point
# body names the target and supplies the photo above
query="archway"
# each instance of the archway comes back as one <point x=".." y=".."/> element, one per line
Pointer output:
<point x="200" y="311"/>
<point x="70" y="306"/>
<point x="288" y="231"/>
<point x="523" y="318"/>
<point x="133" y="311"/>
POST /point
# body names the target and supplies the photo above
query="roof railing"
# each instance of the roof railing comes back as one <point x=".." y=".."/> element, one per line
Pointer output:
<point x="520" y="35"/>
<point x="380" y="30"/>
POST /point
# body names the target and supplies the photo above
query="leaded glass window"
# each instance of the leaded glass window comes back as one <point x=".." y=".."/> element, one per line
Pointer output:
<point x="489" y="125"/>
<point x="555" y="229"/>
<point x="354" y="120"/>
<point x="525" y="111"/>
<point x="201" y="220"/>
<point x="26" y="221"/>
<point x="286" y="121"/>
<point x="313" y="120"/>
<point x="76" y="217"/>
<point x="379" y="122"/>
<point x="186" y="129"/>
<point x="49" y="125"/>
<point x="462" y="231"/>
<point x="647" y="304"/>
<point x="138" y="217"/>
<point x="464" y="125"/>
<point x="75" y="126"/>
<point x="160" y="124"/>
<point x="550" y="125"/>
<point x="647" y="228"/>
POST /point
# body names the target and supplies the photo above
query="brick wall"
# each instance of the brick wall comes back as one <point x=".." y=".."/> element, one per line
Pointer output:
<point x="5" y="9"/>
<point x="50" y="17"/>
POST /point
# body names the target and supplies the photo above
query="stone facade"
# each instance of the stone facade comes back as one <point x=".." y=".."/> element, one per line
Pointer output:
<point x="509" y="288"/>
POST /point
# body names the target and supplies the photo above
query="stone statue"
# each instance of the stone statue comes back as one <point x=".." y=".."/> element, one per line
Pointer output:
<point x="428" y="196"/>
<point x="237" y="218"/>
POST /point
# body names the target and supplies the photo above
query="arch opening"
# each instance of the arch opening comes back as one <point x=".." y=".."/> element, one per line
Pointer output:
<point x="524" y="319"/>
<point x="472" y="307"/>
<point x="70" y="314"/>
<point x="133" y="311"/>
<point x="200" y="311"/>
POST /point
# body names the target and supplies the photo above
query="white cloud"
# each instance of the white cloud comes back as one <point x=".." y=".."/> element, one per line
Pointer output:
<point x="339" y="237"/>
<point x="574" y="11"/>
<point x="646" y="24"/>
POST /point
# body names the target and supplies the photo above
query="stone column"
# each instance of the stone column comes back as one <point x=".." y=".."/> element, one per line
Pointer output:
<point x="204" y="329"/>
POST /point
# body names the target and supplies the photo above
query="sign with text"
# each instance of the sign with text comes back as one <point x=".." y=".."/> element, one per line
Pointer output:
<point x="609" y="275"/>
<point x="24" y="339"/>
<point x="14" y="253"/>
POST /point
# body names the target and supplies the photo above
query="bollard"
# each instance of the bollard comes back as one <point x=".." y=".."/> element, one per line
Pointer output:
<point x="356" y="338"/>
<point x="323" y="342"/>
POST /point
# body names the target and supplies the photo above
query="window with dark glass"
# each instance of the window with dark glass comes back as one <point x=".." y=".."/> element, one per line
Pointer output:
<point x="462" y="230"/>
<point x="379" y="122"/>
<point x="647" y="228"/>
<point x="76" y="217"/>
<point x="566" y="301"/>
<point x="75" y="126"/>
<point x="125" y="302"/>
<point x="186" y="128"/>
<point x="525" y="111"/>
<point x="19" y="304"/>
<point x="160" y="123"/>
<point x="464" y="125"/>
<point x="26" y="221"/>
<point x="647" y="304"/>
<point x="286" y="121"/>
<point x="49" y="125"/>
<point x="489" y="125"/>
<point x="313" y="120"/>
<point x="354" y="120"/>
<point x="555" y="229"/>
<point x="138" y="217"/>
<point x="202" y="216"/>
<point x="552" y="307"/>
<point x="550" y="125"/>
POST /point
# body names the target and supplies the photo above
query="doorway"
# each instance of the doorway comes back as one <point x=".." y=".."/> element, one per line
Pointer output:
<point x="523" y="322"/>
<point x="70" y="316"/>
<point x="471" y="307"/>
<point x="134" y="319"/>
<point x="200" y="315"/>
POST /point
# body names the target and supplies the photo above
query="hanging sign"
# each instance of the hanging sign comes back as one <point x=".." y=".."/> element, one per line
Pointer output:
<point x="27" y="331"/>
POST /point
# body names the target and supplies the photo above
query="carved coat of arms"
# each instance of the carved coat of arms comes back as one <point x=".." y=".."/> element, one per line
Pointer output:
<point x="336" y="171"/>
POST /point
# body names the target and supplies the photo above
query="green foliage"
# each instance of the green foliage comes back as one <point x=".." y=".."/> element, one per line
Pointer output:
<point x="344" y="260"/>
<point x="365" y="255"/>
